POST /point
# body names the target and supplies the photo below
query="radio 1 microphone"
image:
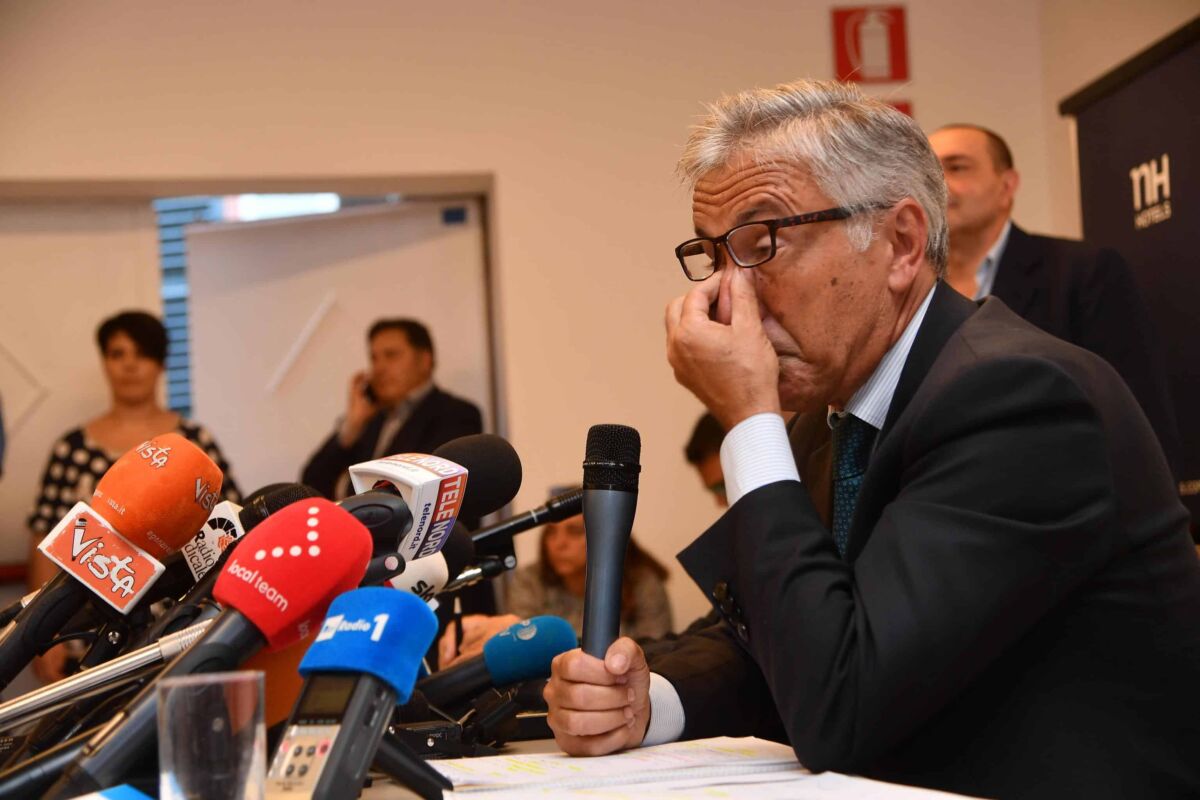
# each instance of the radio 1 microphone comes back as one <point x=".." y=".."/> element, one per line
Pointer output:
<point x="144" y="508"/>
<point x="363" y="661"/>
<point x="610" y="484"/>
<point x="275" y="589"/>
<point x="556" y="509"/>
<point x="424" y="577"/>
<point x="521" y="652"/>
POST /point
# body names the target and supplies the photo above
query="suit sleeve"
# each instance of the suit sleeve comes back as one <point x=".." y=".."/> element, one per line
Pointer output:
<point x="1004" y="506"/>
<point x="721" y="688"/>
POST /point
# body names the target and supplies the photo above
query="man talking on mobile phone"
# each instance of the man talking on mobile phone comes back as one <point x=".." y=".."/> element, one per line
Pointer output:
<point x="393" y="407"/>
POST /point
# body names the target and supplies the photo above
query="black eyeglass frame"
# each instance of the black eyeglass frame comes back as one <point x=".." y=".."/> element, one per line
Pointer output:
<point x="773" y="225"/>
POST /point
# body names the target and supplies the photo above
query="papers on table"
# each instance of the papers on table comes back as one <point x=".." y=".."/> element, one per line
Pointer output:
<point x="723" y="767"/>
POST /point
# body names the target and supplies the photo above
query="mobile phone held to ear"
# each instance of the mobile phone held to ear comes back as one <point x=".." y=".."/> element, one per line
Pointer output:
<point x="369" y="393"/>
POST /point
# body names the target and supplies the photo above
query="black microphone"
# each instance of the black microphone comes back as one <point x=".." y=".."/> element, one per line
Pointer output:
<point x="426" y="577"/>
<point x="384" y="514"/>
<point x="556" y="509"/>
<point x="494" y="472"/>
<point x="610" y="484"/>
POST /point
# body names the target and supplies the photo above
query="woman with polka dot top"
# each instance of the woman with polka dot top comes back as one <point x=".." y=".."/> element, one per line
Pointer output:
<point x="133" y="349"/>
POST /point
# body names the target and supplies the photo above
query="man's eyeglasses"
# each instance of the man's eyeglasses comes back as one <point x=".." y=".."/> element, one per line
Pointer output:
<point x="750" y="244"/>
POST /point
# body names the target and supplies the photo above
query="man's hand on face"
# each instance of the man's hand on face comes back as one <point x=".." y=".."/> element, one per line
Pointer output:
<point x="727" y="362"/>
<point x="599" y="707"/>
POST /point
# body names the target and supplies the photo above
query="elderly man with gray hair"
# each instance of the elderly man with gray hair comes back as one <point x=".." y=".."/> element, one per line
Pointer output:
<point x="968" y="568"/>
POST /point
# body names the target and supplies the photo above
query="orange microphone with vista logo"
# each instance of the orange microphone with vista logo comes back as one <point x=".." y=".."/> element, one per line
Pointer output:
<point x="148" y="504"/>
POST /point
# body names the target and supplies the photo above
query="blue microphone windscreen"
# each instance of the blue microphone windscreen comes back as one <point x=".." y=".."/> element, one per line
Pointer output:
<point x="524" y="651"/>
<point x="374" y="630"/>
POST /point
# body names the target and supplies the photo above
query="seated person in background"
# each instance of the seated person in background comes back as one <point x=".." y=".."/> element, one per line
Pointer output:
<point x="393" y="408"/>
<point x="133" y="349"/>
<point x="554" y="585"/>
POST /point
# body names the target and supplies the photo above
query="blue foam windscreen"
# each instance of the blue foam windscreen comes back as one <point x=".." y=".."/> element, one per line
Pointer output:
<point x="374" y="630"/>
<point x="524" y="650"/>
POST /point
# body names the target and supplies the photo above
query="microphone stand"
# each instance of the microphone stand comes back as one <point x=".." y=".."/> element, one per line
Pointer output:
<point x="398" y="761"/>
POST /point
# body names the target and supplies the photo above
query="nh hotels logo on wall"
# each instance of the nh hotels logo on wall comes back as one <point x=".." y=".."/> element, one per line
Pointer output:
<point x="1151" y="192"/>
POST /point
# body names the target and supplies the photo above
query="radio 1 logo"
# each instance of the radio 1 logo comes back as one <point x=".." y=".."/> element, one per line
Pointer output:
<point x="1151" y="192"/>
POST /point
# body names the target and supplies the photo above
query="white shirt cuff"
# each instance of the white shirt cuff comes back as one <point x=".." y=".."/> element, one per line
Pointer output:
<point x="756" y="452"/>
<point x="666" y="713"/>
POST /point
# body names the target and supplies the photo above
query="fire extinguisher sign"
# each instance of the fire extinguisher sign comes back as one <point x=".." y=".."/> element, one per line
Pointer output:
<point x="870" y="44"/>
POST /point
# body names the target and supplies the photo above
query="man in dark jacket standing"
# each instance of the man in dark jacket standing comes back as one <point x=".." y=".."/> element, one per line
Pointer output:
<point x="392" y="408"/>
<point x="1082" y="294"/>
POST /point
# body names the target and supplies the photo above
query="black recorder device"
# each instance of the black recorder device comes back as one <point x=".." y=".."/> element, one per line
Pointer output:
<point x="362" y="662"/>
<point x="331" y="737"/>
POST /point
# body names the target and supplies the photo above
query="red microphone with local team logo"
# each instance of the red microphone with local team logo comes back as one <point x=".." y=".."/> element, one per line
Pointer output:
<point x="275" y="589"/>
<point x="145" y="508"/>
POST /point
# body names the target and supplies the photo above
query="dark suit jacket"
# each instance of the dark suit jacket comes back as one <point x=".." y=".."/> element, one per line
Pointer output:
<point x="436" y="420"/>
<point x="1018" y="614"/>
<point x="1089" y="297"/>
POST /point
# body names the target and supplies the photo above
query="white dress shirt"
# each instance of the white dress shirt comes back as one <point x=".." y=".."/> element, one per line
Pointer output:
<point x="985" y="276"/>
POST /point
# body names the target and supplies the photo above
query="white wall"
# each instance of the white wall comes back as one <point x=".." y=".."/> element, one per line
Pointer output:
<point x="63" y="269"/>
<point x="578" y="110"/>
<point x="1082" y="40"/>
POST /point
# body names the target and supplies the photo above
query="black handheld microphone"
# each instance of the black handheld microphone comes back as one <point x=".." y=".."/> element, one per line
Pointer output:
<point x="610" y="483"/>
<point x="556" y="509"/>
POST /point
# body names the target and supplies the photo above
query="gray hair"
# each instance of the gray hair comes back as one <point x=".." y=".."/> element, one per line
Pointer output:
<point x="859" y="151"/>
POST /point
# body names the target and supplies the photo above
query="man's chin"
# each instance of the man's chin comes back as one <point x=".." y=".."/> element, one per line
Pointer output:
<point x="797" y="391"/>
<point x="796" y="399"/>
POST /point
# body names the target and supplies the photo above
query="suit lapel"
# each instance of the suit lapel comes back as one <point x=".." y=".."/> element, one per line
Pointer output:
<point x="947" y="311"/>
<point x="1015" y="283"/>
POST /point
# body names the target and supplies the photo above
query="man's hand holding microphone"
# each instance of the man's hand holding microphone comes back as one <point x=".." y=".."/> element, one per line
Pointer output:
<point x="599" y="707"/>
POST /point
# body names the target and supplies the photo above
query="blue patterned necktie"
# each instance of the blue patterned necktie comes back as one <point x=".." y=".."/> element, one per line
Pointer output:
<point x="852" y="440"/>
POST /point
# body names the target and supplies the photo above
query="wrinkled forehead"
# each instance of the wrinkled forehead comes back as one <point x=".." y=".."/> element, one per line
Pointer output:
<point x="746" y="186"/>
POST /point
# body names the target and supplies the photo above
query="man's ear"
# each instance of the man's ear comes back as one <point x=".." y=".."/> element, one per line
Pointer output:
<point x="425" y="359"/>
<point x="908" y="230"/>
<point x="1011" y="180"/>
